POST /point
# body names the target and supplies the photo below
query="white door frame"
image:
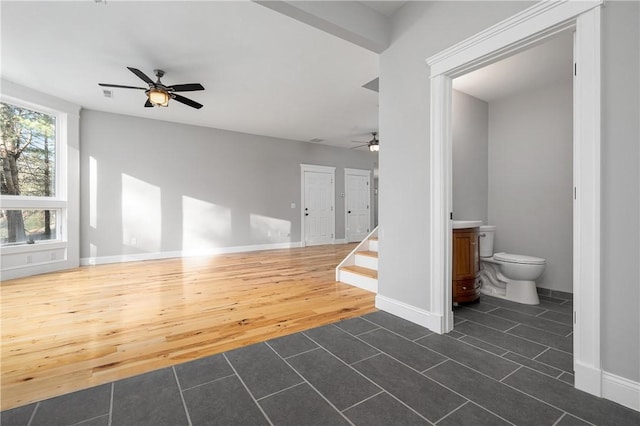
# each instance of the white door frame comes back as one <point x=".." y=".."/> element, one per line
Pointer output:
<point x="319" y="169"/>
<point x="517" y="33"/>
<point x="357" y="172"/>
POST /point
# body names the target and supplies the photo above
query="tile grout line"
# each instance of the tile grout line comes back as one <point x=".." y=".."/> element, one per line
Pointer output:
<point x="86" y="420"/>
<point x="301" y="353"/>
<point x="524" y="338"/>
<point x="310" y="385"/>
<point x="558" y="421"/>
<point x="546" y="350"/>
<point x="280" y="391"/>
<point x="224" y="354"/>
<point x="113" y="389"/>
<point x="538" y="399"/>
<point x="532" y="316"/>
<point x="452" y="411"/>
<point x="33" y="414"/>
<point x="360" y="360"/>
<point x="184" y="403"/>
<point x="207" y="383"/>
<point x="508" y="375"/>
<point x="364" y="400"/>
<point x="524" y="365"/>
<point x="381" y="352"/>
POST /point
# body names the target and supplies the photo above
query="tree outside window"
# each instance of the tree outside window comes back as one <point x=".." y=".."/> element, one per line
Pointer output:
<point x="28" y="155"/>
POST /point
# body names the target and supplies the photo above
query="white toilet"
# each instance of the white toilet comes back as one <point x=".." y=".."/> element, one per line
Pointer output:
<point x="508" y="276"/>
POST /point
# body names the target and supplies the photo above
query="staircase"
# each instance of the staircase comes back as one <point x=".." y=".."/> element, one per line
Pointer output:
<point x="360" y="267"/>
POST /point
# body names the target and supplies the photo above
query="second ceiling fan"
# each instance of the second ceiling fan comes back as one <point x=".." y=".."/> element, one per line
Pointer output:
<point x="157" y="93"/>
<point x="373" y="144"/>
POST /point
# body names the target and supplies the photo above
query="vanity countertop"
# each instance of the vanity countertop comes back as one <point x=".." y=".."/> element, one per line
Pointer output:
<point x="460" y="224"/>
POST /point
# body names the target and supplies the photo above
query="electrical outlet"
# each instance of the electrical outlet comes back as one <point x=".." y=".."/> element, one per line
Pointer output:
<point x="29" y="259"/>
<point x="53" y="255"/>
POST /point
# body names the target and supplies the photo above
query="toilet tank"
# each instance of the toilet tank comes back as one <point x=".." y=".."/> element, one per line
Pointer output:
<point x="486" y="240"/>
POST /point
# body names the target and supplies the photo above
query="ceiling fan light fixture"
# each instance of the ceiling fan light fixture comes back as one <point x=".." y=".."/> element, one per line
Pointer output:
<point x="158" y="97"/>
<point x="374" y="147"/>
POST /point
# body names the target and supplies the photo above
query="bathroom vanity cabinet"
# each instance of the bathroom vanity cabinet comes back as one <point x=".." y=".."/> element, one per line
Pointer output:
<point x="466" y="265"/>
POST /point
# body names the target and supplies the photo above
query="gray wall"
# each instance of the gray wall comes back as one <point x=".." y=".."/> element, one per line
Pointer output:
<point x="175" y="187"/>
<point x="531" y="179"/>
<point x="470" y="122"/>
<point x="421" y="29"/>
<point x="621" y="189"/>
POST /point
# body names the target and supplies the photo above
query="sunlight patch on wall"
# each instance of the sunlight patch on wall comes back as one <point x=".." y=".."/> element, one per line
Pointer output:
<point x="141" y="214"/>
<point x="205" y="225"/>
<point x="93" y="192"/>
<point x="270" y="229"/>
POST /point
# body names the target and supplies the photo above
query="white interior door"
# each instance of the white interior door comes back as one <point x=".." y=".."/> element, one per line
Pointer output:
<point x="357" y="204"/>
<point x="317" y="206"/>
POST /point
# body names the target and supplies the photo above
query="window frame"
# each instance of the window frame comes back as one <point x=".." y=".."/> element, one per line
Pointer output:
<point x="58" y="202"/>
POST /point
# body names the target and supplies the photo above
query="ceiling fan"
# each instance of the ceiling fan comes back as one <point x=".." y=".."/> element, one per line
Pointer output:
<point x="373" y="144"/>
<point x="157" y="93"/>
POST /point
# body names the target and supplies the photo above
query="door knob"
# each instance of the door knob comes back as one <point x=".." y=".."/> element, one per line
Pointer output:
<point x="349" y="212"/>
<point x="306" y="214"/>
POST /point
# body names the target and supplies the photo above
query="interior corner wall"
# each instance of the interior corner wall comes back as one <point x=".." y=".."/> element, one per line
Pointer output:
<point x="154" y="187"/>
<point x="419" y="30"/>
<point x="470" y="132"/>
<point x="531" y="178"/>
<point x="620" y="195"/>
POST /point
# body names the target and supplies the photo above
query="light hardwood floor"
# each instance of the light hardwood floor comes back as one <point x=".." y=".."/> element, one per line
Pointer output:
<point x="75" y="329"/>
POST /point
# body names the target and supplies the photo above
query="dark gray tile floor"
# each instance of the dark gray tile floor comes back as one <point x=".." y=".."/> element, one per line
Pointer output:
<point x="504" y="363"/>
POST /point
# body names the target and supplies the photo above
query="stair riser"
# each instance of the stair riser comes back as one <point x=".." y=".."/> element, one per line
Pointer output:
<point x="367" y="261"/>
<point x="373" y="245"/>
<point x="360" y="281"/>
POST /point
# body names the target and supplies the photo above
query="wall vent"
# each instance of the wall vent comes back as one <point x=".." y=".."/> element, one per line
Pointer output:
<point x="107" y="93"/>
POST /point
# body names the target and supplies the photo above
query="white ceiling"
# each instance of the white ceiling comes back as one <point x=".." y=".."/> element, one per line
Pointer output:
<point x="543" y="65"/>
<point x="264" y="73"/>
<point x="387" y="8"/>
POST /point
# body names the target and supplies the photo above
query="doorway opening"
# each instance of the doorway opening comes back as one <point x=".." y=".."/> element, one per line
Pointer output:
<point x="532" y="26"/>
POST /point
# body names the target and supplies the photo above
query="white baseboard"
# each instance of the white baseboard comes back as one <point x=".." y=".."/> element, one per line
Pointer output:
<point x="101" y="260"/>
<point x="588" y="378"/>
<point x="621" y="390"/>
<point x="410" y="313"/>
<point x="607" y="385"/>
<point x="340" y="241"/>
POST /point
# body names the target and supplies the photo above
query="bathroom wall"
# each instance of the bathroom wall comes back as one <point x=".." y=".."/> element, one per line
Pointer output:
<point x="530" y="179"/>
<point x="470" y="120"/>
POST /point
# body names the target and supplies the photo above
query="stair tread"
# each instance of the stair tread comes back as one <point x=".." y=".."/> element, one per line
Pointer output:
<point x="368" y="253"/>
<point x="361" y="271"/>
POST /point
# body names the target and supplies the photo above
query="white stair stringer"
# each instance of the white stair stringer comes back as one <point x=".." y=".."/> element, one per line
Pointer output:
<point x="360" y="267"/>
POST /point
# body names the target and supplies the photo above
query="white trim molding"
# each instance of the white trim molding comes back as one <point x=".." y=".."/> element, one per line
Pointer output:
<point x="623" y="391"/>
<point x="136" y="257"/>
<point x="533" y="25"/>
<point x="410" y="313"/>
<point x="64" y="252"/>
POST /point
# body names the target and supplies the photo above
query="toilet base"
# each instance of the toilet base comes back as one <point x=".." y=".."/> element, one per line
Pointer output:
<point x="524" y="292"/>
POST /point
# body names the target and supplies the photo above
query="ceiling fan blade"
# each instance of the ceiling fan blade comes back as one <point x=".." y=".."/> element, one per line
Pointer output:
<point x="148" y="104"/>
<point x="359" y="146"/>
<point x="187" y="101"/>
<point x="121" y="86"/>
<point x="191" y="87"/>
<point x="141" y="75"/>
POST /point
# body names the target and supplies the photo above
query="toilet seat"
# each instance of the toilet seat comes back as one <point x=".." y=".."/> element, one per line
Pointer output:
<point x="519" y="259"/>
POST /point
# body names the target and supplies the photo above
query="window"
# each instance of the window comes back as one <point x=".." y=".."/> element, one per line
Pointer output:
<point x="32" y="206"/>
